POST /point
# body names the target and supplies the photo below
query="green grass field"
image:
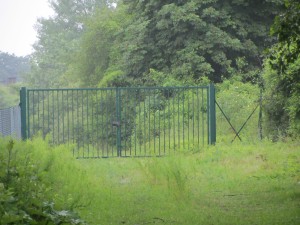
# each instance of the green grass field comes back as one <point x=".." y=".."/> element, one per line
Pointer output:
<point x="241" y="183"/>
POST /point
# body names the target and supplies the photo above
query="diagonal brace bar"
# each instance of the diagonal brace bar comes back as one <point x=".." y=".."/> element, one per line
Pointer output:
<point x="236" y="133"/>
<point x="244" y="123"/>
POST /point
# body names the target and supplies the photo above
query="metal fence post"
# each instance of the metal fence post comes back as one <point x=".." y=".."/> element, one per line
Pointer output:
<point x="23" y="106"/>
<point x="212" y="116"/>
<point x="118" y="117"/>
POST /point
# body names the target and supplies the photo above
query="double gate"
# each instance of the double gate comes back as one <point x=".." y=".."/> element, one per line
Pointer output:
<point x="120" y="122"/>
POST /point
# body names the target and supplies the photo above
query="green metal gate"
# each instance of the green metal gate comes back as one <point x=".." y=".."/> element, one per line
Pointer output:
<point x="121" y="122"/>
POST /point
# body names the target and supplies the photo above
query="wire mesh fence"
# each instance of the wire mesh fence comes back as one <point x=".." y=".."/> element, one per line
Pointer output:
<point x="10" y="122"/>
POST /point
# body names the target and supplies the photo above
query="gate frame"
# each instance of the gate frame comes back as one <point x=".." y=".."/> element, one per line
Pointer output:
<point x="212" y="129"/>
<point x="211" y="114"/>
<point x="23" y="106"/>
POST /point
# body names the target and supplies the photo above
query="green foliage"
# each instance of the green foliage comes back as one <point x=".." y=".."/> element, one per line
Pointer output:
<point x="167" y="43"/>
<point x="59" y="41"/>
<point x="237" y="100"/>
<point x="287" y="28"/>
<point x="237" y="183"/>
<point x="157" y="78"/>
<point x="186" y="41"/>
<point x="99" y="54"/>
<point x="25" y="195"/>
<point x="193" y="39"/>
<point x="12" y="66"/>
<point x="9" y="96"/>
<point x="282" y="74"/>
<point x="282" y="101"/>
<point x="114" y="78"/>
<point x="221" y="181"/>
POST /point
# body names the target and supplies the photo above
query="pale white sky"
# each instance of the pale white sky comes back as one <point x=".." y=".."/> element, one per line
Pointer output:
<point x="17" y="20"/>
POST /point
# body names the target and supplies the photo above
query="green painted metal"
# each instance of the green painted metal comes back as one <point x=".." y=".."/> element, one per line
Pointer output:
<point x="121" y="122"/>
<point x="212" y="115"/>
<point x="117" y="122"/>
<point x="23" y="107"/>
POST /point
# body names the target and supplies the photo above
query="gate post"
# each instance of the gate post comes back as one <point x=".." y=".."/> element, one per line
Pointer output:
<point x="118" y="117"/>
<point x="23" y="106"/>
<point x="212" y="115"/>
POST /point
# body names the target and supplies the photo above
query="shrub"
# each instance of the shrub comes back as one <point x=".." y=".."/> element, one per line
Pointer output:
<point x="25" y="196"/>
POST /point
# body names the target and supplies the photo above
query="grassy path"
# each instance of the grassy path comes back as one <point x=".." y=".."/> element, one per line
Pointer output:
<point x="239" y="184"/>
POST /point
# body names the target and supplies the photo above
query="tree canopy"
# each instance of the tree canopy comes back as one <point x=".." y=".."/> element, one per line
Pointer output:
<point x="58" y="40"/>
<point x="94" y="42"/>
<point x="195" y="39"/>
<point x="12" y="66"/>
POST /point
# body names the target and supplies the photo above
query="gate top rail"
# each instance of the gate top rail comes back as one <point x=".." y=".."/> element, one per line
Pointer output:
<point x="114" y="88"/>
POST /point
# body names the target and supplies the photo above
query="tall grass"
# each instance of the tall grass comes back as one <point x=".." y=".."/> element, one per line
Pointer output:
<point x="27" y="194"/>
<point x="240" y="183"/>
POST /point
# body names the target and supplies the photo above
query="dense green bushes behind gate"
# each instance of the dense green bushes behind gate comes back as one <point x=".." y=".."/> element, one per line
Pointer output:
<point x="238" y="100"/>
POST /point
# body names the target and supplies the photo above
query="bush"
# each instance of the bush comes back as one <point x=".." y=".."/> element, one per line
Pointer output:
<point x="25" y="195"/>
<point x="237" y="100"/>
<point x="282" y="105"/>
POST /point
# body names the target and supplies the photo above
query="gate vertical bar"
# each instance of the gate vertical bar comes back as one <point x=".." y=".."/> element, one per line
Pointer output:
<point x="212" y="116"/>
<point x="118" y="117"/>
<point x="23" y="105"/>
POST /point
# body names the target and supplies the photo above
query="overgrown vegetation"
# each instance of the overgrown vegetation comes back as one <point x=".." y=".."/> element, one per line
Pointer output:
<point x="26" y="194"/>
<point x="165" y="43"/>
<point x="9" y="95"/>
<point x="123" y="41"/>
<point x="237" y="101"/>
<point x="282" y="74"/>
<point x="100" y="43"/>
<point x="238" y="183"/>
<point x="12" y="70"/>
<point x="13" y="67"/>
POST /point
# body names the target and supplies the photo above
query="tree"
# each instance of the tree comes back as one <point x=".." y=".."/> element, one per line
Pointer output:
<point x="282" y="73"/>
<point x="12" y="66"/>
<point x="184" y="41"/>
<point x="58" y="40"/>
<point x="9" y="96"/>
<point x="12" y="69"/>
<point x="287" y="29"/>
<point x="195" y="39"/>
<point x="99" y="55"/>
